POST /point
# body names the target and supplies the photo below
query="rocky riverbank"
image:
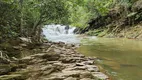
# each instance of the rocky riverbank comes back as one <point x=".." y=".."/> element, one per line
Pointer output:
<point x="54" y="61"/>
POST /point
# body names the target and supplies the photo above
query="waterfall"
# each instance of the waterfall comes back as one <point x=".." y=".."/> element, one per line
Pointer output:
<point x="60" y="33"/>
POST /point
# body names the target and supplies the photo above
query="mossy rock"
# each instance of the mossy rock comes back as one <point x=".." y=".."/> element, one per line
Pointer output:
<point x="13" y="77"/>
<point x="4" y="69"/>
<point x="18" y="75"/>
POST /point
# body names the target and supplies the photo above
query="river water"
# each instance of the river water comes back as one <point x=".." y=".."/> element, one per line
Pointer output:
<point x="121" y="59"/>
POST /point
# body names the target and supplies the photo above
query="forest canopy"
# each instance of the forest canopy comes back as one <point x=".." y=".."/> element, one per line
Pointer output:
<point x="27" y="17"/>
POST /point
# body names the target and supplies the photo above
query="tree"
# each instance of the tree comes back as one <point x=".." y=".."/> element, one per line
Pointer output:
<point x="26" y="17"/>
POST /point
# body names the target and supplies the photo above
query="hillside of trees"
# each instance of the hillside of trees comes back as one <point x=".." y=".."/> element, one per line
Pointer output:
<point x="26" y="55"/>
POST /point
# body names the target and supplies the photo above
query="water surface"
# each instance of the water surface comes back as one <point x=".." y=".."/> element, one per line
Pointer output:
<point x="121" y="58"/>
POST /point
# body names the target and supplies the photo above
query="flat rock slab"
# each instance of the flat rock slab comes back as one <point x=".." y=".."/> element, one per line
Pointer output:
<point x="58" y="62"/>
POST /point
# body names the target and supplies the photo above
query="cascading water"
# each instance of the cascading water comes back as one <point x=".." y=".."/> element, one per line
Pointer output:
<point x="59" y="33"/>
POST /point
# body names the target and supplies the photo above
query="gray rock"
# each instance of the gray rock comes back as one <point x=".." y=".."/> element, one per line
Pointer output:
<point x="48" y="56"/>
<point x="13" y="77"/>
<point x="68" y="60"/>
<point x="4" y="69"/>
<point x="80" y="64"/>
<point x="86" y="74"/>
<point x="100" y="76"/>
<point x="73" y="73"/>
<point x="79" y="68"/>
<point x="86" y="79"/>
<point x="90" y="62"/>
<point x="52" y="62"/>
<point x="92" y="68"/>
<point x="46" y="67"/>
<point x="54" y="78"/>
<point x="4" y="61"/>
<point x="25" y="40"/>
<point x="70" y="78"/>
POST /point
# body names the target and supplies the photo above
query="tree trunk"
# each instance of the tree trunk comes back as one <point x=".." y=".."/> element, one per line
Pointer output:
<point x="21" y="20"/>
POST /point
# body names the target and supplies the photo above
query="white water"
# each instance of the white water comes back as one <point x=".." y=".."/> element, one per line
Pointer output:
<point x="57" y="33"/>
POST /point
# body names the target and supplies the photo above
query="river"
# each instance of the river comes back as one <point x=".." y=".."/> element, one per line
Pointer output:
<point x="119" y="58"/>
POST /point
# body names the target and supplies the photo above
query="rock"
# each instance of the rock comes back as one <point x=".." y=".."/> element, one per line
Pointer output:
<point x="86" y="79"/>
<point x="69" y="46"/>
<point x="92" y="68"/>
<point x="52" y="62"/>
<point x="76" y="31"/>
<point x="25" y="40"/>
<point x="23" y="45"/>
<point x="61" y="44"/>
<point x="4" y="69"/>
<point x="80" y="64"/>
<point x="46" y="67"/>
<point x="67" y="60"/>
<point x="91" y="58"/>
<point x="71" y="78"/>
<point x="14" y="59"/>
<point x="54" y="78"/>
<point x="90" y="62"/>
<point x="26" y="60"/>
<point x="17" y="47"/>
<point x="57" y="50"/>
<point x="13" y="77"/>
<point x="47" y="56"/>
<point x="73" y="73"/>
<point x="79" y="68"/>
<point x="86" y="74"/>
<point x="57" y="62"/>
<point x="79" y="55"/>
<point x="100" y="76"/>
<point x="4" y="60"/>
<point x="49" y="71"/>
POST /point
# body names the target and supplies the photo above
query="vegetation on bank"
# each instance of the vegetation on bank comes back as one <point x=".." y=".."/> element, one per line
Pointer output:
<point x="123" y="20"/>
<point x="27" y="17"/>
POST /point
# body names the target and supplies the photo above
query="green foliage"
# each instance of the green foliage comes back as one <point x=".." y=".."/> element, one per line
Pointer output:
<point x="26" y="17"/>
<point x="94" y="32"/>
<point x="9" y="18"/>
<point x="82" y="11"/>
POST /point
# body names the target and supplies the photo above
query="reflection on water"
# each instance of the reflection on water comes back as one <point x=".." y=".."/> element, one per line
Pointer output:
<point x="121" y="58"/>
